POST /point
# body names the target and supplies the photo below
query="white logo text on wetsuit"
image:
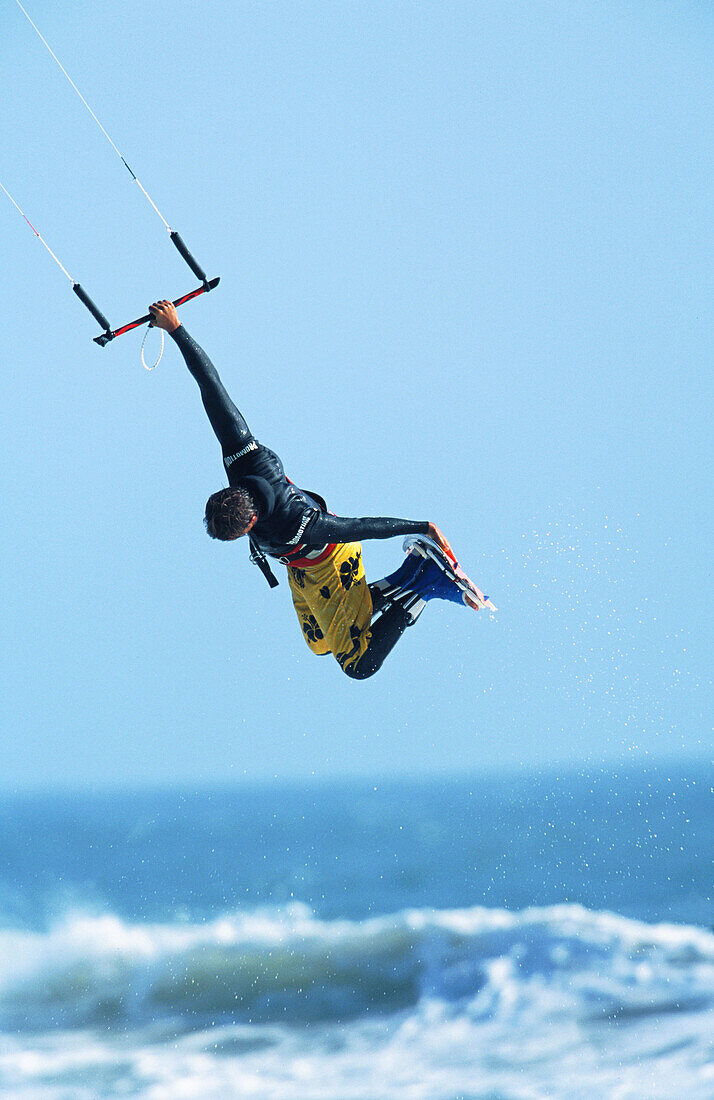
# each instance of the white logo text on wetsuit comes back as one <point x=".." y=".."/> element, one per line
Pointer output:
<point x="305" y="520"/>
<point x="252" y="446"/>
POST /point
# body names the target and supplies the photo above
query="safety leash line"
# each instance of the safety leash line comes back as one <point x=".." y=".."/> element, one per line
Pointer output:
<point x="155" y="364"/>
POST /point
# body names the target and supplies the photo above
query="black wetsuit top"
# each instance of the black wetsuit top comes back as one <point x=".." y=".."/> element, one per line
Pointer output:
<point x="290" y="521"/>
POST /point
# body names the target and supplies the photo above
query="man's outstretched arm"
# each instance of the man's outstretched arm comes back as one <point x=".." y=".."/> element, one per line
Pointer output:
<point x="326" y="528"/>
<point x="227" y="422"/>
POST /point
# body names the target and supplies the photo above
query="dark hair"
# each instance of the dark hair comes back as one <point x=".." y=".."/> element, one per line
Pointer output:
<point x="228" y="513"/>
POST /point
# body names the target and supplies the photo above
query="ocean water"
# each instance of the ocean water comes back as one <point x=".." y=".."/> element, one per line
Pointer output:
<point x="500" y="938"/>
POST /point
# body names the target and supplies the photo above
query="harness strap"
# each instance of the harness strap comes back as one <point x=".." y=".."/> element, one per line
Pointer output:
<point x="258" y="558"/>
<point x="300" y="560"/>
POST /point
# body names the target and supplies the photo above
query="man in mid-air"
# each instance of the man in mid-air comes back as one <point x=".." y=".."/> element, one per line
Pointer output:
<point x="322" y="552"/>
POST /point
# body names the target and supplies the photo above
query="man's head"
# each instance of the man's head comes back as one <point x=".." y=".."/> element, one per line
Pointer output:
<point x="230" y="513"/>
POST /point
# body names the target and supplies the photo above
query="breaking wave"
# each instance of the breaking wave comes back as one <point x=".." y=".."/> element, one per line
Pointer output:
<point x="433" y="996"/>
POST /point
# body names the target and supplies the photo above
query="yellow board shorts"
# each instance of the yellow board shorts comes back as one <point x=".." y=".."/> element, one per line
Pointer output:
<point x="333" y="604"/>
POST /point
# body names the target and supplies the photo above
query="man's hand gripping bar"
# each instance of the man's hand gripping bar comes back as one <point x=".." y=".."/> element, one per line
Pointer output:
<point x="110" y="334"/>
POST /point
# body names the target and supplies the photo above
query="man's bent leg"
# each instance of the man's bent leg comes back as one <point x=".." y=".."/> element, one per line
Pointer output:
<point x="335" y="608"/>
<point x="385" y="633"/>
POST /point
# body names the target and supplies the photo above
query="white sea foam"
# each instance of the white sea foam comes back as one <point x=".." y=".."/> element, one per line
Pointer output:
<point x="419" y="1005"/>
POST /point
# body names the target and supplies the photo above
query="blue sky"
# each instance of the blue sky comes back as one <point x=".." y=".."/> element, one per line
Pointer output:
<point x="465" y="253"/>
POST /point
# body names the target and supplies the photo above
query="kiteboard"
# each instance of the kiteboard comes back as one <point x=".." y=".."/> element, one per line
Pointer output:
<point x="427" y="548"/>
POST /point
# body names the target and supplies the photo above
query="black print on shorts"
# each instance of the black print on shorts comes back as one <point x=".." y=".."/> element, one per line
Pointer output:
<point x="311" y="629"/>
<point x="299" y="577"/>
<point x="355" y="637"/>
<point x="348" y="571"/>
<point x="325" y="592"/>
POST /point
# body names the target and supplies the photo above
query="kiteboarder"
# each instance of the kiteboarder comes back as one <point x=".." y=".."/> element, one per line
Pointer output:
<point x="335" y="605"/>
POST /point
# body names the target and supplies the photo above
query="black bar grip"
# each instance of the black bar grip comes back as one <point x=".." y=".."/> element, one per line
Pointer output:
<point x="94" y="310"/>
<point x="195" y="267"/>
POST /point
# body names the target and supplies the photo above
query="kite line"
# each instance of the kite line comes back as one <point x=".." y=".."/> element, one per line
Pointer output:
<point x="109" y="333"/>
